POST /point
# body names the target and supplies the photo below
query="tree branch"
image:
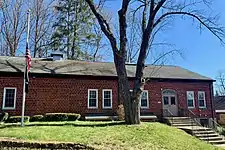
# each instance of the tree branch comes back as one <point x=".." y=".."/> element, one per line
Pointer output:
<point x="104" y="26"/>
<point x="213" y="30"/>
<point x="123" y="27"/>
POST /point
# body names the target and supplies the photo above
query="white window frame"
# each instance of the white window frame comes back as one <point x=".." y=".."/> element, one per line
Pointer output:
<point x="4" y="96"/>
<point x="145" y="107"/>
<point x="103" y="100"/>
<point x="204" y="99"/>
<point x="96" y="90"/>
<point x="192" y="99"/>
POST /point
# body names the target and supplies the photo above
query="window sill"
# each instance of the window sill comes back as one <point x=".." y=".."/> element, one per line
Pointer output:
<point x="144" y="107"/>
<point x="8" y="108"/>
<point x="191" y="107"/>
<point x="202" y="107"/>
<point x="106" y="107"/>
<point x="92" y="107"/>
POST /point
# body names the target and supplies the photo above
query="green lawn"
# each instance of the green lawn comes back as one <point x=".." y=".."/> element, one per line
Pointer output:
<point x="103" y="135"/>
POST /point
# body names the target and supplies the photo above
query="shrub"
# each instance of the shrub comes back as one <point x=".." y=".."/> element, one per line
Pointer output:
<point x="73" y="117"/>
<point x="61" y="117"/>
<point x="37" y="118"/>
<point x="15" y="119"/>
<point x="3" y="116"/>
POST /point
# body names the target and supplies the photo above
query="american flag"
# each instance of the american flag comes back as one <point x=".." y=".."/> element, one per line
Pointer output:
<point x="28" y="59"/>
<point x="28" y="64"/>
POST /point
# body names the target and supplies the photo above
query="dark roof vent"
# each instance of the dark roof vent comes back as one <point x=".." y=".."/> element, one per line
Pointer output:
<point x="57" y="56"/>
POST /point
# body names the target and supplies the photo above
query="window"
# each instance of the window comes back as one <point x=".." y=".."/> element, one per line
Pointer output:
<point x="201" y="99"/>
<point x="144" y="99"/>
<point x="107" y="98"/>
<point x="172" y="100"/>
<point x="92" y="98"/>
<point x="166" y="100"/>
<point x="190" y="99"/>
<point x="9" y="98"/>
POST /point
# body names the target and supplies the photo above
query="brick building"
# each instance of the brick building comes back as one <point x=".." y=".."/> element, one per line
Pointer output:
<point x="92" y="88"/>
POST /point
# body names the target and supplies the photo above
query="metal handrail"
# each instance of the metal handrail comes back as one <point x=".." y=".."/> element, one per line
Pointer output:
<point x="169" y="112"/>
<point x="216" y="127"/>
<point x="193" y="116"/>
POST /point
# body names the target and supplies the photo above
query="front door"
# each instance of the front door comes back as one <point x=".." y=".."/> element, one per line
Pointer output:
<point x="170" y="105"/>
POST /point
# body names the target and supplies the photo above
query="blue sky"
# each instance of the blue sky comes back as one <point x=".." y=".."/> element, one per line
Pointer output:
<point x="203" y="53"/>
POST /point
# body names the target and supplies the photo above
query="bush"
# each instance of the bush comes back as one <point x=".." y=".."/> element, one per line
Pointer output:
<point x="15" y="119"/>
<point x="3" y="116"/>
<point x="37" y="118"/>
<point x="61" y="117"/>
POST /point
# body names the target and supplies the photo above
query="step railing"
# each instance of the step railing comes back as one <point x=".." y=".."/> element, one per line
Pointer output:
<point x="194" y="119"/>
<point x="168" y="113"/>
<point x="217" y="128"/>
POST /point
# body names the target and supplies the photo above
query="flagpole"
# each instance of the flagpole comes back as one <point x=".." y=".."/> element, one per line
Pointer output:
<point x="24" y="80"/>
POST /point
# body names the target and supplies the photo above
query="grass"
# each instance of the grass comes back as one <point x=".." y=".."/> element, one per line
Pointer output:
<point x="108" y="135"/>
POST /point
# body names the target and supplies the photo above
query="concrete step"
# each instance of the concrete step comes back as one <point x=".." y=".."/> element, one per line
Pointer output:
<point x="182" y="121"/>
<point x="220" y="145"/>
<point x="176" y="118"/>
<point x="217" y="142"/>
<point x="184" y="124"/>
<point x="204" y="132"/>
<point x="206" y="135"/>
<point x="217" y="138"/>
<point x="201" y="129"/>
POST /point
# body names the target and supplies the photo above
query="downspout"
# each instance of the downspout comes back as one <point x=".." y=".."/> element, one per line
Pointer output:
<point x="212" y="104"/>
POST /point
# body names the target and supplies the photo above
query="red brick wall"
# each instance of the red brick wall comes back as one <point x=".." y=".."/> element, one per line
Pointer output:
<point x="181" y="88"/>
<point x="71" y="94"/>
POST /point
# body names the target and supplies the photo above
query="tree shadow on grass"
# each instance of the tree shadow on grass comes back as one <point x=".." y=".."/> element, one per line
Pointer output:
<point x="75" y="124"/>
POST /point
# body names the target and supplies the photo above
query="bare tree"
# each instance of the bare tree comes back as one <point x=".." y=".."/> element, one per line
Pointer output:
<point x="154" y="13"/>
<point x="220" y="83"/>
<point x="41" y="21"/>
<point x="13" y="23"/>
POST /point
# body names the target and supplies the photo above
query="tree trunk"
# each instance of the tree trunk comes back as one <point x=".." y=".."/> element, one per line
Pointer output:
<point x="131" y="102"/>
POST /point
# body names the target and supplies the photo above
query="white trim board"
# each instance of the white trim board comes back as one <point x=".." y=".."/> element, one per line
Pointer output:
<point x="220" y="111"/>
<point x="4" y="94"/>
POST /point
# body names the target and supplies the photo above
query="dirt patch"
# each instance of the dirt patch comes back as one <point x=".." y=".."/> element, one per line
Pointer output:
<point x="15" y="144"/>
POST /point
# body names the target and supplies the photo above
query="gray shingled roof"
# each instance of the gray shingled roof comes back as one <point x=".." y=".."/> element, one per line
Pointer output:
<point x="219" y="102"/>
<point x="70" y="67"/>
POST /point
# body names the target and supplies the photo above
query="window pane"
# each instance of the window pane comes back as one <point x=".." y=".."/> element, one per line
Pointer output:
<point x="190" y="103"/>
<point x="190" y="95"/>
<point x="9" y="98"/>
<point x="92" y="103"/>
<point x="92" y="94"/>
<point x="201" y="103"/>
<point x="201" y="95"/>
<point x="169" y="92"/>
<point x="107" y="94"/>
<point x="173" y="100"/>
<point x="144" y="103"/>
<point x="107" y="102"/>
<point x="166" y="100"/>
<point x="144" y="95"/>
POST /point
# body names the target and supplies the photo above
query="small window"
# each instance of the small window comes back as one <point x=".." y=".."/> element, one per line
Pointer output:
<point x="92" y="98"/>
<point x="190" y="99"/>
<point x="201" y="99"/>
<point x="144" y="99"/>
<point x="166" y="100"/>
<point x="9" y="98"/>
<point x="173" y="100"/>
<point x="107" y="98"/>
